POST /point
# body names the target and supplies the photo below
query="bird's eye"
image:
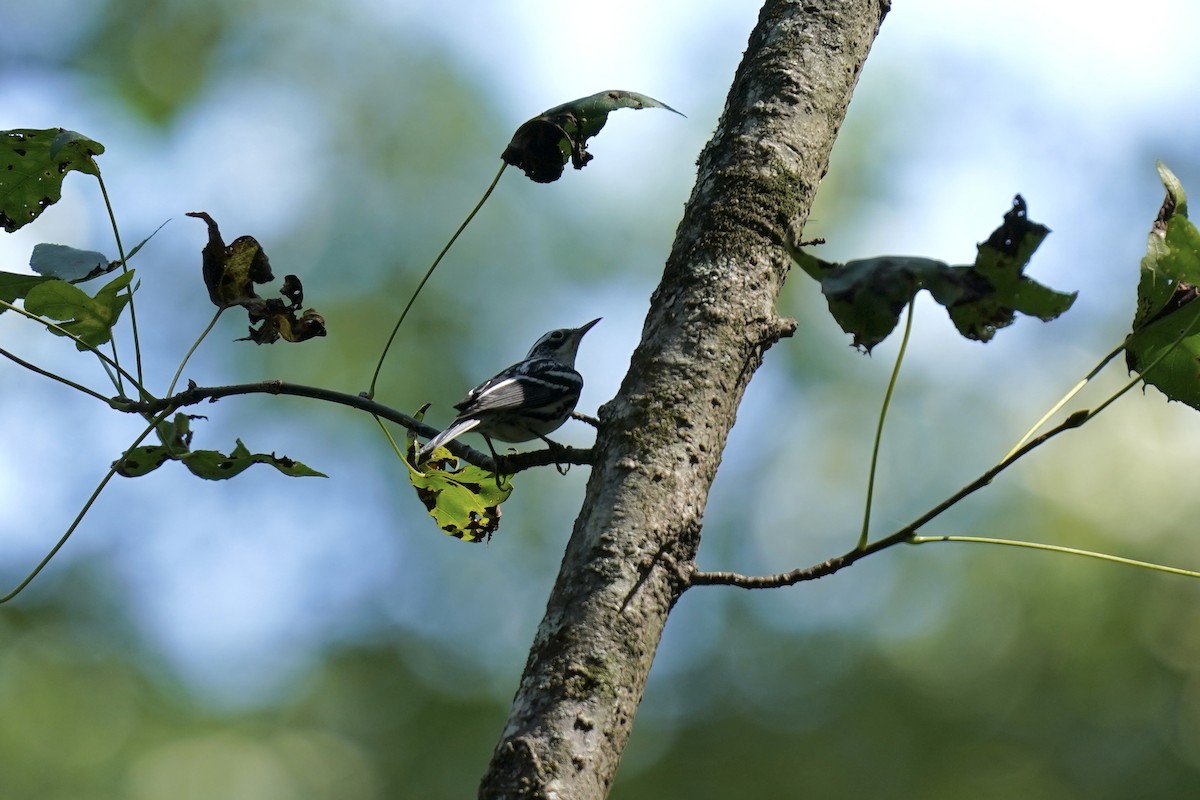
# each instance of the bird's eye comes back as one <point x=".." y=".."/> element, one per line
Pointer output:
<point x="557" y="336"/>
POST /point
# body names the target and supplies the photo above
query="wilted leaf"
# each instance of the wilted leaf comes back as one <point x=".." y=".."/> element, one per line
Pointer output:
<point x="463" y="500"/>
<point x="230" y="274"/>
<point x="33" y="164"/>
<point x="67" y="263"/>
<point x="542" y="146"/>
<point x="1166" y="307"/>
<point x="866" y="297"/>
<point x="89" y="318"/>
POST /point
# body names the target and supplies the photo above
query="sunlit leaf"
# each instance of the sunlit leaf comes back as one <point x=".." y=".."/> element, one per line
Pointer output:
<point x="33" y="164"/>
<point x="542" y="146"/>
<point x="1166" y="309"/>
<point x="463" y="499"/>
<point x="866" y="297"/>
<point x="89" y="318"/>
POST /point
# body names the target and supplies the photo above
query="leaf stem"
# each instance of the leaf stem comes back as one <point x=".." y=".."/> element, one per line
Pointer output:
<point x="112" y="218"/>
<point x="106" y="361"/>
<point x="887" y="401"/>
<point x="211" y="323"/>
<point x="370" y="394"/>
<point x="1053" y="548"/>
<point x="1065" y="399"/>
<point x="82" y="512"/>
<point x="46" y="373"/>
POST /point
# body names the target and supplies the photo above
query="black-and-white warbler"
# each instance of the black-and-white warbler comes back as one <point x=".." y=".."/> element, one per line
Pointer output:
<point x="529" y="400"/>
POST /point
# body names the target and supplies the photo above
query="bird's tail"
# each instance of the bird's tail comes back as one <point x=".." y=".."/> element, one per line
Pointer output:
<point x="456" y="429"/>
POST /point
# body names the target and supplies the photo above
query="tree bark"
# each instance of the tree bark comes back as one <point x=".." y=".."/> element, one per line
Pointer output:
<point x="661" y="438"/>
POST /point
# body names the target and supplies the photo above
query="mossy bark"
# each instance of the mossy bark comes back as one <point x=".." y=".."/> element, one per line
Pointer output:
<point x="661" y="438"/>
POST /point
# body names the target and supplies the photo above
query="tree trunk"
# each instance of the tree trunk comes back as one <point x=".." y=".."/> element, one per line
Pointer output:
<point x="661" y="438"/>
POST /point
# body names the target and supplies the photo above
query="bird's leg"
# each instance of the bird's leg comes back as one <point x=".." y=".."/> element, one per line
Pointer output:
<point x="495" y="460"/>
<point x="563" y="469"/>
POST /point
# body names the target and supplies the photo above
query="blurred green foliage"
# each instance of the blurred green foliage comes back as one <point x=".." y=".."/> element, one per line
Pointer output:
<point x="939" y="672"/>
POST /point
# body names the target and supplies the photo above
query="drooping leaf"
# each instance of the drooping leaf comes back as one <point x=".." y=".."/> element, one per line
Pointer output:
<point x="67" y="263"/>
<point x="230" y="273"/>
<point x="33" y="164"/>
<point x="1166" y="307"/>
<point x="463" y="499"/>
<point x="542" y="146"/>
<point x="213" y="465"/>
<point x="866" y="296"/>
<point x="89" y="318"/>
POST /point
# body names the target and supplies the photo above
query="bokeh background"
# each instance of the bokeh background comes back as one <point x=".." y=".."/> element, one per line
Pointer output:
<point x="280" y="639"/>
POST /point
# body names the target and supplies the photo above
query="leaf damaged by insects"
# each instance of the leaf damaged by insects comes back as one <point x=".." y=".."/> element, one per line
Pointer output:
<point x="463" y="499"/>
<point x="230" y="273"/>
<point x="213" y="465"/>
<point x="542" y="146"/>
<point x="866" y="296"/>
<point x="33" y="164"/>
<point x="1163" y="345"/>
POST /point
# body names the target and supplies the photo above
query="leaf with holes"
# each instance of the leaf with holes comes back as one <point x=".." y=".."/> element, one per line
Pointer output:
<point x="1164" y="345"/>
<point x="463" y="499"/>
<point x="866" y="297"/>
<point x="33" y="164"/>
<point x="210" y="465"/>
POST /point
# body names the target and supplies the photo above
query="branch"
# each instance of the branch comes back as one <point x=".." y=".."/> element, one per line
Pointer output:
<point x="508" y="465"/>
<point x="904" y="534"/>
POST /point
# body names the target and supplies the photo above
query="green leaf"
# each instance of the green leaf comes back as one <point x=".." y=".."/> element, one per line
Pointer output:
<point x="213" y="465"/>
<point x="33" y="164"/>
<point x="14" y="286"/>
<point x="542" y="146"/>
<point x="67" y="263"/>
<point x="89" y="318"/>
<point x="210" y="465"/>
<point x="866" y="297"/>
<point x="463" y="500"/>
<point x="1166" y="310"/>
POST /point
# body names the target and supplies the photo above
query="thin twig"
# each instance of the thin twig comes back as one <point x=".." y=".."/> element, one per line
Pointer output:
<point x="46" y="373"/>
<point x="508" y="464"/>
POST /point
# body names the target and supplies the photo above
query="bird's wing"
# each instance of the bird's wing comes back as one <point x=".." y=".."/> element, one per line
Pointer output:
<point x="503" y="392"/>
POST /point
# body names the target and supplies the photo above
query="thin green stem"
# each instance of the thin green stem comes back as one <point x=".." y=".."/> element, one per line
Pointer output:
<point x="1053" y="548"/>
<point x="192" y="349"/>
<point x="1065" y="399"/>
<point x="82" y="512"/>
<point x="106" y="361"/>
<point x="370" y="394"/>
<point x="112" y="218"/>
<point x="887" y="401"/>
<point x="46" y="373"/>
<point x="395" y="446"/>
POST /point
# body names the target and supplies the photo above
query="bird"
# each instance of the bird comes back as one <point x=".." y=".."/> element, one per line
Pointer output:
<point x="529" y="400"/>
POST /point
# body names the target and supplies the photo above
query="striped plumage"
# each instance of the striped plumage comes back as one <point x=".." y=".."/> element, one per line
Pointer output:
<point x="529" y="400"/>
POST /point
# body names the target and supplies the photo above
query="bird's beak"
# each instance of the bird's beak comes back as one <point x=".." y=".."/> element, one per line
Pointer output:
<point x="582" y="329"/>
